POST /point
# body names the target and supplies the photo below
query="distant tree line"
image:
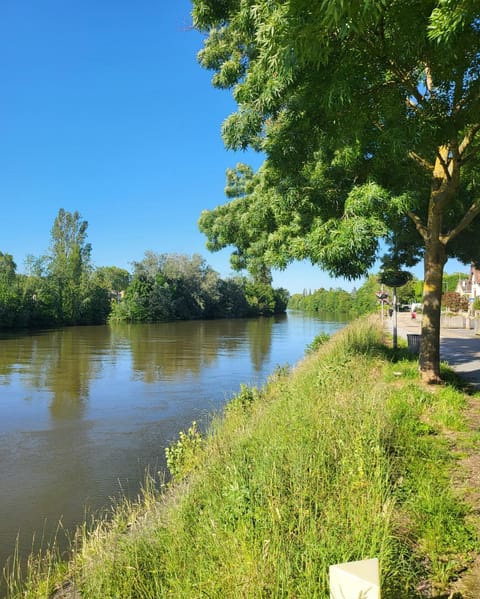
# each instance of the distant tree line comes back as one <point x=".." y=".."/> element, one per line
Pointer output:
<point x="364" y="300"/>
<point x="64" y="288"/>
<point x="338" y="301"/>
<point x="355" y="303"/>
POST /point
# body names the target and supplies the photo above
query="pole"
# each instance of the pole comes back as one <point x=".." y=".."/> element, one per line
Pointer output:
<point x="394" y="318"/>
<point x="383" y="305"/>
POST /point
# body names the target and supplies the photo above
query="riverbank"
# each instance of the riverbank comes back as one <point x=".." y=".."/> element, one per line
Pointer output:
<point x="346" y="457"/>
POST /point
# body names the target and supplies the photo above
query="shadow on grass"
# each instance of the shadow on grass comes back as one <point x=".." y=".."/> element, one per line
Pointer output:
<point x="402" y="354"/>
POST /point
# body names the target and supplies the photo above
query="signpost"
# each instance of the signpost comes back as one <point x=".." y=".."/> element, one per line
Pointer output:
<point x="394" y="279"/>
<point x="382" y="298"/>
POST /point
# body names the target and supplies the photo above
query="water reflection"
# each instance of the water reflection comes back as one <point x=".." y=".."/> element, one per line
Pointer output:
<point x="260" y="335"/>
<point x="85" y="410"/>
<point x="173" y="350"/>
<point x="68" y="365"/>
<point x="65" y="361"/>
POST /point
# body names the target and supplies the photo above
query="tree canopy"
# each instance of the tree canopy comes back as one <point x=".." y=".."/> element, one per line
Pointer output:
<point x="181" y="287"/>
<point x="69" y="263"/>
<point x="368" y="114"/>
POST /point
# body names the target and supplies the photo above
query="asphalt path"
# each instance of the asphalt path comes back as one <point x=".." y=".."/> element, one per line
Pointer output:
<point x="459" y="347"/>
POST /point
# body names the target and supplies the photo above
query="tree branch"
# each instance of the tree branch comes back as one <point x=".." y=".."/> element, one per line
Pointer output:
<point x="429" y="79"/>
<point x="412" y="104"/>
<point x="421" y="161"/>
<point x="464" y="101"/>
<point x="471" y="213"/>
<point x="421" y="228"/>
<point x="444" y="164"/>
<point x="404" y="77"/>
<point x="467" y="140"/>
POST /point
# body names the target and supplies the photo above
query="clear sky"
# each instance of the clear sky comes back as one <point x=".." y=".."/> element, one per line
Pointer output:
<point x="105" y="110"/>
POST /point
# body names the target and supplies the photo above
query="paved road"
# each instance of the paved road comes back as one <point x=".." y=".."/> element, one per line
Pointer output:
<point x="459" y="347"/>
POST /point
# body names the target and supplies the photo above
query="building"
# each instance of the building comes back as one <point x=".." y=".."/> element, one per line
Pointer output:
<point x="470" y="288"/>
<point x="464" y="287"/>
<point x="475" y="282"/>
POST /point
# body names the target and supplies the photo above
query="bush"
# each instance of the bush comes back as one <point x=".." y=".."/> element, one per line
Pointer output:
<point x="454" y="302"/>
<point x="183" y="456"/>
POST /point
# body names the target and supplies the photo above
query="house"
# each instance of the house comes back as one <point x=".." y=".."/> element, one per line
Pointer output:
<point x="470" y="287"/>
<point x="475" y="282"/>
<point x="464" y="287"/>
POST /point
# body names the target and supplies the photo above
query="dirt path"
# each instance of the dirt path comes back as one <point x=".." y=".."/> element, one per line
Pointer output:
<point x="467" y="480"/>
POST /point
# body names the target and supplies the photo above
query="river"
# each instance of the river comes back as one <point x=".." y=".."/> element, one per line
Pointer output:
<point x="85" y="410"/>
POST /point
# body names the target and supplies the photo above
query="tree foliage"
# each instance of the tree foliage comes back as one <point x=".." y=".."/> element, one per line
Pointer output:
<point x="181" y="287"/>
<point x="9" y="292"/>
<point x="64" y="288"/>
<point x="324" y="301"/>
<point x="60" y="288"/>
<point x="69" y="265"/>
<point x="114" y="278"/>
<point x="454" y="302"/>
<point x="363" y="300"/>
<point x="368" y="114"/>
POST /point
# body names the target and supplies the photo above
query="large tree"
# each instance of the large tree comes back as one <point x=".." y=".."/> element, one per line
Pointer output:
<point x="69" y="264"/>
<point x="368" y="113"/>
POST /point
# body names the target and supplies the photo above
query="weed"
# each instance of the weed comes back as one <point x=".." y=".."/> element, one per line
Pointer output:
<point x="317" y="342"/>
<point x="183" y="456"/>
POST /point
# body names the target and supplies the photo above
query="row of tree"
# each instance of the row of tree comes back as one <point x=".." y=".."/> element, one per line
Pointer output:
<point x="329" y="301"/>
<point x="359" y="301"/>
<point x="338" y="301"/>
<point x="63" y="287"/>
<point x="365" y="299"/>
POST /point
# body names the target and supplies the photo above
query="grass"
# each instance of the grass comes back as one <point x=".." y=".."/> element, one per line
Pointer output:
<point x="341" y="459"/>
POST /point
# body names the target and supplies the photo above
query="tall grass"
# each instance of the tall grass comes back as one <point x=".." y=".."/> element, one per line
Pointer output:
<point x="339" y="460"/>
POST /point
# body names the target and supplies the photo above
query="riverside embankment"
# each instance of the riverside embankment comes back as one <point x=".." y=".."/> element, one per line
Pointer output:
<point x="346" y="457"/>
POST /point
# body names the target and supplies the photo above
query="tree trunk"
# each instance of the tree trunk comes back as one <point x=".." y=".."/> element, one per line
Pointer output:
<point x="444" y="187"/>
<point x="435" y="258"/>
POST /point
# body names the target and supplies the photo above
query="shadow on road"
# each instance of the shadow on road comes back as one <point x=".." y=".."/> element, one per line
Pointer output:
<point x="463" y="354"/>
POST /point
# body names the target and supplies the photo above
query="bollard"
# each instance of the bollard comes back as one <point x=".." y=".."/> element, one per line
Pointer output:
<point x="355" y="580"/>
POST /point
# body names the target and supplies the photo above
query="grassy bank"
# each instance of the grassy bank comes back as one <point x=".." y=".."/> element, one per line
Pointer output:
<point x="343" y="458"/>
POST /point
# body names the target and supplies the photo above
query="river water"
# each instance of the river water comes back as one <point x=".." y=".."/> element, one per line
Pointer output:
<point x="85" y="410"/>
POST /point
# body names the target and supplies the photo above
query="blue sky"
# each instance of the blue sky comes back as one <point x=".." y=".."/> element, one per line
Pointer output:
<point x="105" y="110"/>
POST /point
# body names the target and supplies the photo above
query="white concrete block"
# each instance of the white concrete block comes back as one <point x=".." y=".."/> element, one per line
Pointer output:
<point x="355" y="580"/>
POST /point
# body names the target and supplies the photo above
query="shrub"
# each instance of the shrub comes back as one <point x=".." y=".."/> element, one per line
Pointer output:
<point x="183" y="456"/>
<point x="317" y="342"/>
<point x="455" y="302"/>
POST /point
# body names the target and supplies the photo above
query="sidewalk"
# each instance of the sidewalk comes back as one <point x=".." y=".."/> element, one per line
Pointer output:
<point x="459" y="347"/>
